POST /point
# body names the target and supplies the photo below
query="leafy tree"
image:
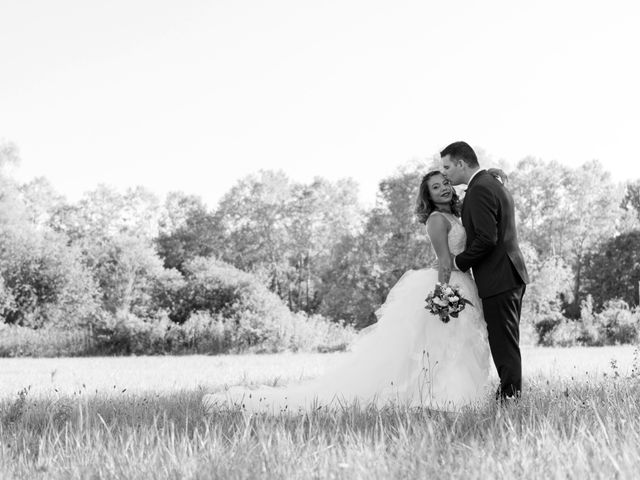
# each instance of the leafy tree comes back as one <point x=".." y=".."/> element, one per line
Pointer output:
<point x="365" y="266"/>
<point x="115" y="233"/>
<point x="321" y="214"/>
<point x="631" y="200"/>
<point x="551" y="286"/>
<point x="284" y="231"/>
<point x="177" y="209"/>
<point x="96" y="216"/>
<point x="566" y="212"/>
<point x="187" y="231"/>
<point x="254" y="221"/>
<point x="613" y="270"/>
<point x="590" y="217"/>
<point x="126" y="269"/>
<point x="103" y="213"/>
<point x="9" y="154"/>
<point x="252" y="314"/>
<point x="12" y="210"/>
<point x="406" y="244"/>
<point x="539" y="192"/>
<point x="43" y="280"/>
<point x="355" y="284"/>
<point x="41" y="201"/>
<point x="140" y="214"/>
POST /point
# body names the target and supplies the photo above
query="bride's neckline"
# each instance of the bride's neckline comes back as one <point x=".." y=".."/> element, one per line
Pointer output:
<point x="450" y="216"/>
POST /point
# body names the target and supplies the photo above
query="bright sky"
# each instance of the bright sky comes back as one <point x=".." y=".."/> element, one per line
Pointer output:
<point x="191" y="95"/>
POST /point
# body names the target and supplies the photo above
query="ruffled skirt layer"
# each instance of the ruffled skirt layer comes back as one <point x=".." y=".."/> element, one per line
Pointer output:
<point x="409" y="357"/>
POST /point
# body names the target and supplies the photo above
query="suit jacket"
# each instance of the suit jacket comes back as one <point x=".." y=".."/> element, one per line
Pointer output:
<point x="492" y="250"/>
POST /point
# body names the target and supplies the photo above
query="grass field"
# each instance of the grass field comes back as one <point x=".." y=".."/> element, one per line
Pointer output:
<point x="140" y="417"/>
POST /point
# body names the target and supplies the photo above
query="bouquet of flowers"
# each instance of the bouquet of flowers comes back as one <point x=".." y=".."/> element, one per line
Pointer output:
<point x="446" y="301"/>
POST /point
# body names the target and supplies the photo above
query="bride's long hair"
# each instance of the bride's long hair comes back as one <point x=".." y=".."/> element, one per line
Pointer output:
<point x="425" y="205"/>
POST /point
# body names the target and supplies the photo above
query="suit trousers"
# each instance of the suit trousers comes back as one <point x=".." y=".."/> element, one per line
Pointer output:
<point x="502" y="314"/>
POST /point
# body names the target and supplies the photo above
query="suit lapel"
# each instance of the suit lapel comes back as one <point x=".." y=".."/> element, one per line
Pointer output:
<point x="476" y="177"/>
<point x="464" y="200"/>
<point x="467" y="191"/>
<point x="473" y="180"/>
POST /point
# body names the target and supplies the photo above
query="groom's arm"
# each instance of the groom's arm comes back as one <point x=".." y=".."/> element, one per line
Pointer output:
<point x="484" y="216"/>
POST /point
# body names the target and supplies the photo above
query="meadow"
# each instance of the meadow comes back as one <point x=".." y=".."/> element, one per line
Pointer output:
<point x="140" y="417"/>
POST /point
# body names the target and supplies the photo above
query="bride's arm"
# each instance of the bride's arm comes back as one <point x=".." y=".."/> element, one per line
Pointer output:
<point x="438" y="230"/>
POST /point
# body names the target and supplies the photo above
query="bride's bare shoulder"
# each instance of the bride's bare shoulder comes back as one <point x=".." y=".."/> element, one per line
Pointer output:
<point x="439" y="217"/>
<point x="438" y="221"/>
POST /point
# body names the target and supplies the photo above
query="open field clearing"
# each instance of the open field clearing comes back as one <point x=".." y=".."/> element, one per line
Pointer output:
<point x="169" y="374"/>
<point x="140" y="417"/>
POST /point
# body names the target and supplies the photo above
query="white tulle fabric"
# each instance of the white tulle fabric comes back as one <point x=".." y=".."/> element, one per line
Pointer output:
<point x="409" y="357"/>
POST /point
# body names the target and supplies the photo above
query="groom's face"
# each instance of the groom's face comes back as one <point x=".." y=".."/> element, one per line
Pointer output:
<point x="453" y="170"/>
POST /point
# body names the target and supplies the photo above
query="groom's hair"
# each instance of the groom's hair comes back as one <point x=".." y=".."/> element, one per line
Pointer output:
<point x="461" y="151"/>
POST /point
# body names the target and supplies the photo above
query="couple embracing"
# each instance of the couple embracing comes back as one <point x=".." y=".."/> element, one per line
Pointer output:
<point x="413" y="356"/>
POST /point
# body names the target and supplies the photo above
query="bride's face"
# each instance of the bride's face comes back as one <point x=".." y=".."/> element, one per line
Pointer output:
<point x="440" y="190"/>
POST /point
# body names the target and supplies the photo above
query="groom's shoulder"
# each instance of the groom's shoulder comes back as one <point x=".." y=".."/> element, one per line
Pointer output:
<point x="483" y="180"/>
<point x="485" y="177"/>
<point x="487" y="180"/>
<point x="487" y="185"/>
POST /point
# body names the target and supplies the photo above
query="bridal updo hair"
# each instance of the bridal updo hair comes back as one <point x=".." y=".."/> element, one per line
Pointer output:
<point x="425" y="205"/>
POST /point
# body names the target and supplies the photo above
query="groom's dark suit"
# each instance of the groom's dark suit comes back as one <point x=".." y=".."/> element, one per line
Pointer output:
<point x="493" y="254"/>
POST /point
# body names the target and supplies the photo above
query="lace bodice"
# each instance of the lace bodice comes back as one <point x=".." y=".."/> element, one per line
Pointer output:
<point x="457" y="236"/>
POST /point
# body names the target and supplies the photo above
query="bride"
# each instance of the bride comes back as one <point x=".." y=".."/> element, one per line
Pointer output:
<point x="410" y="357"/>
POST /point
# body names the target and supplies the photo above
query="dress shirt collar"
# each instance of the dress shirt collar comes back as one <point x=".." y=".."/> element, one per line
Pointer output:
<point x="474" y="174"/>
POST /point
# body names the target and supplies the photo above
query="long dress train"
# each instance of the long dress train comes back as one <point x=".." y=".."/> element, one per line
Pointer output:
<point x="409" y="357"/>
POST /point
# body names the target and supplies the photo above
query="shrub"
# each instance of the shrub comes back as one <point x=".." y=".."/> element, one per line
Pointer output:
<point x="591" y="333"/>
<point x="566" y="333"/>
<point x="618" y="324"/>
<point x="126" y="269"/>
<point x="50" y="341"/>
<point x="226" y="310"/>
<point x="545" y="324"/>
<point x="124" y="333"/>
<point x="218" y="288"/>
<point x="317" y="333"/>
<point x="166" y="292"/>
<point x="528" y="332"/>
<point x="245" y="315"/>
<point x="551" y="284"/>
<point x="202" y="333"/>
<point x="613" y="269"/>
<point x="7" y="301"/>
<point x="43" y="280"/>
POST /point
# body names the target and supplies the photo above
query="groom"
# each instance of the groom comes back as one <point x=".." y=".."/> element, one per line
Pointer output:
<point x="492" y="252"/>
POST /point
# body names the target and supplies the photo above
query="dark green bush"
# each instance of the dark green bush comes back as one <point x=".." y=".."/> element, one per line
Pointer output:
<point x="127" y="270"/>
<point x="218" y="288"/>
<point x="43" y="280"/>
<point x="123" y="333"/>
<point x="545" y="324"/>
<point x="618" y="323"/>
<point x="615" y="324"/>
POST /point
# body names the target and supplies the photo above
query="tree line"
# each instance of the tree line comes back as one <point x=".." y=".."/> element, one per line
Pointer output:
<point x="312" y="245"/>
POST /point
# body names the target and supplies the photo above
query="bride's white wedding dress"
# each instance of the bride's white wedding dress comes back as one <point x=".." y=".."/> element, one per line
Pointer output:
<point x="409" y="357"/>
